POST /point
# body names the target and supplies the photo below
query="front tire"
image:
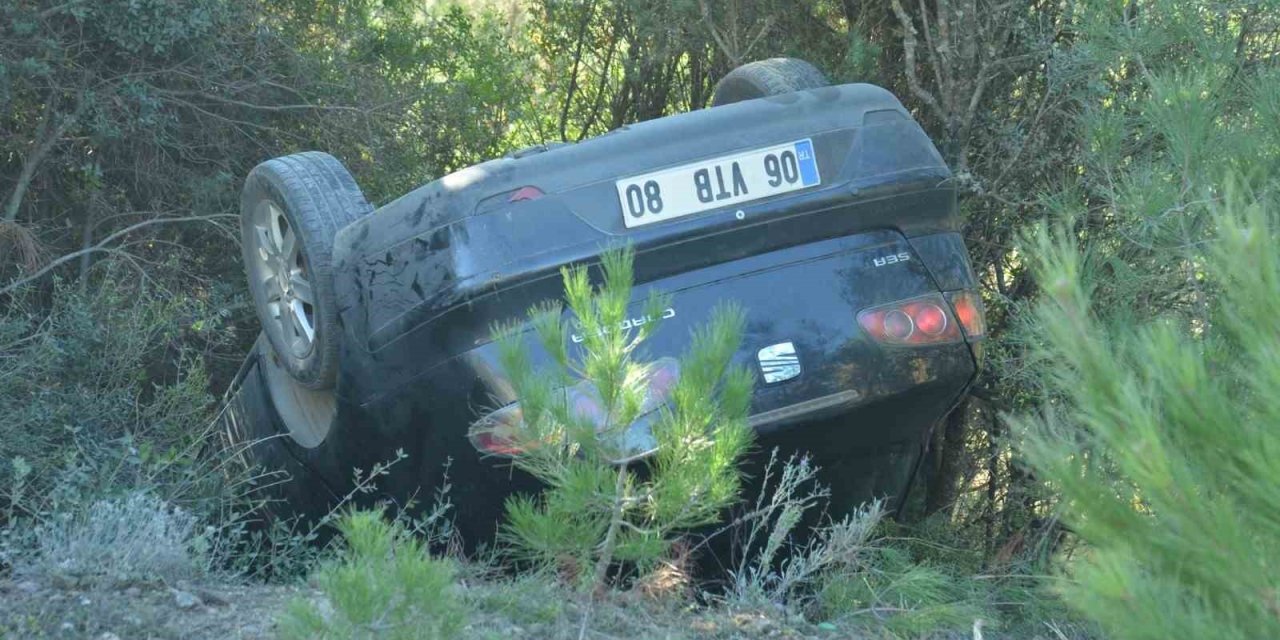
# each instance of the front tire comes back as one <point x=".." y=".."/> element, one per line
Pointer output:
<point x="290" y="210"/>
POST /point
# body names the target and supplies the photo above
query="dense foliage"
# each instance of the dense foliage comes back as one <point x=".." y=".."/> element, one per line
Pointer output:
<point x="1140" y="134"/>
<point x="1156" y="346"/>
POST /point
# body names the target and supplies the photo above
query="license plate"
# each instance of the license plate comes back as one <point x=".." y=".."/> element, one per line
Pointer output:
<point x="719" y="182"/>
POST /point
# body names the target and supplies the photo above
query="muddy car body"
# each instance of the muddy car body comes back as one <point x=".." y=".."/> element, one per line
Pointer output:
<point x="862" y="317"/>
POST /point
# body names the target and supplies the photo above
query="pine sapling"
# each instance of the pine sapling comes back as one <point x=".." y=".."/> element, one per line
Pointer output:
<point x="631" y="451"/>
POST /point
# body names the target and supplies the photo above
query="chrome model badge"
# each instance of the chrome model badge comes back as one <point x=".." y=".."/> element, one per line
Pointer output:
<point x="779" y="362"/>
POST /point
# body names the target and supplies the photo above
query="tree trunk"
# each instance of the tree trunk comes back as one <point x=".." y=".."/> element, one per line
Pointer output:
<point x="47" y="138"/>
<point x="611" y="537"/>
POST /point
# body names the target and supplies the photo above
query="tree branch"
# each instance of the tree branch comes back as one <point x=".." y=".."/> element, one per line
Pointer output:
<point x="587" y="13"/>
<point x="909" y="44"/>
<point x="51" y="11"/>
<point x="102" y="246"/>
<point x="47" y="138"/>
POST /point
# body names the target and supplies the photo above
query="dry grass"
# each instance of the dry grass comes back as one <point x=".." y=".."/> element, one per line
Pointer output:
<point x="23" y="247"/>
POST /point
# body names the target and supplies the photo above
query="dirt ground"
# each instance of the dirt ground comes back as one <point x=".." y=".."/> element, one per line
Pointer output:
<point x="41" y="609"/>
<point x="48" y="609"/>
<point x="523" y="610"/>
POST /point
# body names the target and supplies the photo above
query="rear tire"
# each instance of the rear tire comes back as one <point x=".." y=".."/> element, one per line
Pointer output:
<point x="764" y="78"/>
<point x="290" y="210"/>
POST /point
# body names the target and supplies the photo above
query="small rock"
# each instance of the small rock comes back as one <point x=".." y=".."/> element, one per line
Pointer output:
<point x="67" y="626"/>
<point x="107" y="635"/>
<point x="211" y="598"/>
<point x="185" y="600"/>
<point x="64" y="581"/>
<point x="325" y="608"/>
<point x="27" y="586"/>
<point x="84" y="602"/>
<point x="133" y="592"/>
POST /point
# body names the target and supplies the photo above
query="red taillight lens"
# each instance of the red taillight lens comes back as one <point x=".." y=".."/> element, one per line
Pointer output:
<point x="927" y="320"/>
<point x="969" y="311"/>
<point x="919" y="321"/>
<point x="499" y="432"/>
<point x="930" y="319"/>
<point x="496" y="433"/>
<point x="525" y="193"/>
<point x="897" y="325"/>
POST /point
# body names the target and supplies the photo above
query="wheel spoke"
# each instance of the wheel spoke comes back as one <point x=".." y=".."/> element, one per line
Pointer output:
<point x="289" y="245"/>
<point x="287" y="295"/>
<point x="281" y="321"/>
<point x="301" y="288"/>
<point x="301" y="323"/>
<point x="292" y="332"/>
<point x="267" y="248"/>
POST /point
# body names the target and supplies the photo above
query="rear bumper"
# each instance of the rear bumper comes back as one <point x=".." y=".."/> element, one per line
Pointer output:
<point x="850" y="392"/>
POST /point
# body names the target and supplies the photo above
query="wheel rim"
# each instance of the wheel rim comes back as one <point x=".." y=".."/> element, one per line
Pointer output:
<point x="280" y="269"/>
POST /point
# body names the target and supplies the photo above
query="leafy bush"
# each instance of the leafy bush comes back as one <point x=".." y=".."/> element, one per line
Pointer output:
<point x="105" y="413"/>
<point x="383" y="584"/>
<point x="844" y="572"/>
<point x="597" y="507"/>
<point x="105" y="392"/>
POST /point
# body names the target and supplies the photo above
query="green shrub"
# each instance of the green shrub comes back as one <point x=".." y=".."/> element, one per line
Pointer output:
<point x="771" y="567"/>
<point x="109" y="453"/>
<point x="383" y="584"/>
<point x="597" y="507"/>
<point x="104" y="392"/>
<point x="890" y="590"/>
<point x="1164" y="445"/>
<point x="1155" y="339"/>
<point x="137" y="537"/>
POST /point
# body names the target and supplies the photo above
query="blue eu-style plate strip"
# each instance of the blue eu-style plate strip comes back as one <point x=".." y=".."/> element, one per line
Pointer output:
<point x="808" y="163"/>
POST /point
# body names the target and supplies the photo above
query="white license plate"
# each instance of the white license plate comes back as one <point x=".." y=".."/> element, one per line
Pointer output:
<point x="719" y="182"/>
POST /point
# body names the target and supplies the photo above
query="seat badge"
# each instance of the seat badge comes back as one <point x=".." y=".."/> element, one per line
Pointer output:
<point x="779" y="362"/>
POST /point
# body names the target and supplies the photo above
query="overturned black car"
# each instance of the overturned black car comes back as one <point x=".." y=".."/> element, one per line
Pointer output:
<point x="824" y="211"/>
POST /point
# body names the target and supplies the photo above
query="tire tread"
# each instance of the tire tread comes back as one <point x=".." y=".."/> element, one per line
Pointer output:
<point x="771" y="77"/>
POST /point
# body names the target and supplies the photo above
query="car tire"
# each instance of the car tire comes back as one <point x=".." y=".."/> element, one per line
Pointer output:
<point x="764" y="78"/>
<point x="290" y="210"/>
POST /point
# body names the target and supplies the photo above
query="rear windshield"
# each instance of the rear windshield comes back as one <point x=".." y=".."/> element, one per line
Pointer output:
<point x="885" y="148"/>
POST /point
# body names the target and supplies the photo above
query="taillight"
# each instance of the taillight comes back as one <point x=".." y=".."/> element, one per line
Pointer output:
<point x="525" y="193"/>
<point x="926" y="320"/>
<point x="498" y="433"/>
<point x="969" y="311"/>
<point x="918" y="321"/>
<point x="495" y="433"/>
